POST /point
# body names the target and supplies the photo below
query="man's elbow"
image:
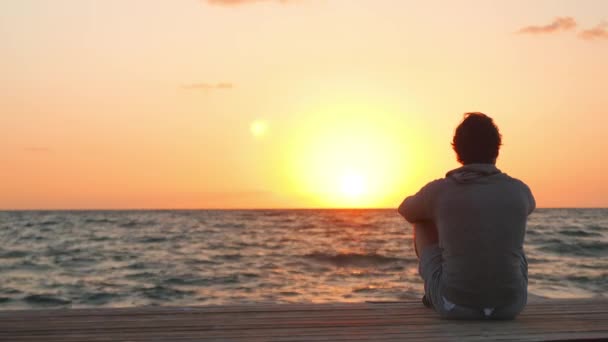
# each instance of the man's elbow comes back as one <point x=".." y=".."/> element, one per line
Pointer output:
<point x="403" y="210"/>
<point x="532" y="205"/>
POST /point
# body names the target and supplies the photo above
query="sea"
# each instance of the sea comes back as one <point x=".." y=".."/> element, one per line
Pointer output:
<point x="74" y="259"/>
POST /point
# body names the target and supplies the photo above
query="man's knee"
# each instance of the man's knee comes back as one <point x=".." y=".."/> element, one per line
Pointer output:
<point x="425" y="235"/>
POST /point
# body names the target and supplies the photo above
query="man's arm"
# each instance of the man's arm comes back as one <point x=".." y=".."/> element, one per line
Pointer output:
<point x="531" y="201"/>
<point x="419" y="207"/>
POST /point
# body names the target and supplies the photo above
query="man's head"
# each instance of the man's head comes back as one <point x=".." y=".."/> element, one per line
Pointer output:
<point x="477" y="139"/>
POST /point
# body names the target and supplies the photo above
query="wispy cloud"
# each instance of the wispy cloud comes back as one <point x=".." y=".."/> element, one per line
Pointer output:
<point x="598" y="32"/>
<point x="240" y="2"/>
<point x="208" y="86"/>
<point x="559" y="24"/>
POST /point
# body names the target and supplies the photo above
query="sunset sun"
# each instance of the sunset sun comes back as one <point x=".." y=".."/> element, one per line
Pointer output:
<point x="341" y="157"/>
<point x="352" y="184"/>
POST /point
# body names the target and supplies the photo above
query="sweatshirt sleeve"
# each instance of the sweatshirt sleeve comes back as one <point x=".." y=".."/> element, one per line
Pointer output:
<point x="531" y="200"/>
<point x="419" y="207"/>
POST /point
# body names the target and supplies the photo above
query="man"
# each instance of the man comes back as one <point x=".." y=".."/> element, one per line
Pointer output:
<point x="469" y="230"/>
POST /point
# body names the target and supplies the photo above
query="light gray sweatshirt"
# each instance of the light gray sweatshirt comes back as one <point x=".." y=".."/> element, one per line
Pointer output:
<point x="481" y="215"/>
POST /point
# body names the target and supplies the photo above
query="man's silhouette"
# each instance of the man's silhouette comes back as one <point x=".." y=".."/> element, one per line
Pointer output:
<point x="469" y="230"/>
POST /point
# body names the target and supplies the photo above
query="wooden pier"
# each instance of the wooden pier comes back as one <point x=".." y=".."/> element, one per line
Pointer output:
<point x="542" y="320"/>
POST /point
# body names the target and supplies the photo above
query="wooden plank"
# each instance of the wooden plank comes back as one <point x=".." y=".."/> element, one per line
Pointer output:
<point x="581" y="304"/>
<point x="153" y="311"/>
<point x="544" y="320"/>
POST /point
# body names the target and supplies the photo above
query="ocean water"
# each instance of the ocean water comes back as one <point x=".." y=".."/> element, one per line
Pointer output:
<point x="136" y="258"/>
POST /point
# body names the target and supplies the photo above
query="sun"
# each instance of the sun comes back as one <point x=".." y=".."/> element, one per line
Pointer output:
<point x="348" y="164"/>
<point x="352" y="184"/>
<point x="348" y="154"/>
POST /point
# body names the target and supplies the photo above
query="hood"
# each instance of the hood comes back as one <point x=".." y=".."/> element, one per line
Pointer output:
<point x="473" y="173"/>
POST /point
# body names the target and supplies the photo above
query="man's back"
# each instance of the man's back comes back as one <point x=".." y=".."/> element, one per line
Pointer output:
<point x="481" y="214"/>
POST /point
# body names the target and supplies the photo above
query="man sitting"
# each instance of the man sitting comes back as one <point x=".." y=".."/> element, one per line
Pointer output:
<point x="469" y="230"/>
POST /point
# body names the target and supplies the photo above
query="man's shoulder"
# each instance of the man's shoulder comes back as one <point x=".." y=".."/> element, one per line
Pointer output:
<point x="514" y="180"/>
<point x="524" y="189"/>
<point x="435" y="184"/>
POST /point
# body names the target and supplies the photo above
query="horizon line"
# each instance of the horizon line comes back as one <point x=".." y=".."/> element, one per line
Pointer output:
<point x="240" y="209"/>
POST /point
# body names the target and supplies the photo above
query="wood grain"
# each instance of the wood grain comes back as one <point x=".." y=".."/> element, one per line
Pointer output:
<point x="543" y="320"/>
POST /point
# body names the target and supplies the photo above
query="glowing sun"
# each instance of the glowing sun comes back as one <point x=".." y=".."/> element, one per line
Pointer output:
<point x="352" y="184"/>
<point x="348" y="155"/>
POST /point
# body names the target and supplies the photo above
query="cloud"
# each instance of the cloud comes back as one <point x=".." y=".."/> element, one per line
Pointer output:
<point x="559" y="24"/>
<point x="239" y="2"/>
<point x="208" y="86"/>
<point x="598" y="32"/>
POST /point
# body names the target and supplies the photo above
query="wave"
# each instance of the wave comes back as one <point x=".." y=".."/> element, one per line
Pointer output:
<point x="152" y="239"/>
<point x="100" y="298"/>
<point x="192" y="281"/>
<point x="48" y="223"/>
<point x="352" y="259"/>
<point x="160" y="292"/>
<point x="14" y="254"/>
<point x="141" y="275"/>
<point x="368" y="289"/>
<point x="597" y="279"/>
<point x="45" y="299"/>
<point x="576" y="248"/>
<point x="27" y="265"/>
<point x="228" y="257"/>
<point x="229" y="225"/>
<point x="198" y="281"/>
<point x="578" y="232"/>
<point x="137" y="223"/>
<point x="96" y="220"/>
<point x="143" y="265"/>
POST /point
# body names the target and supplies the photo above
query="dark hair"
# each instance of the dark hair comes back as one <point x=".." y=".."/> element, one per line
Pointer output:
<point x="477" y="139"/>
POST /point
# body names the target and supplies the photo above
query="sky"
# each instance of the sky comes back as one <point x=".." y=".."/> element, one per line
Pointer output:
<point x="121" y="104"/>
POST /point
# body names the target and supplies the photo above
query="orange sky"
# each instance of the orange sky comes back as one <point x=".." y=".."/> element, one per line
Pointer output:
<point x="303" y="103"/>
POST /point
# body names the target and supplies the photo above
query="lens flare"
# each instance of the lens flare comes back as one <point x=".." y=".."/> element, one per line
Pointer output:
<point x="258" y="128"/>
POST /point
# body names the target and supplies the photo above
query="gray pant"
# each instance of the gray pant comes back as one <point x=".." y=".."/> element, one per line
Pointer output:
<point x="430" y="270"/>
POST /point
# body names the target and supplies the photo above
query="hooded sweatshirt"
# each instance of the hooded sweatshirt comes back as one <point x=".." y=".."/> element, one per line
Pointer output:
<point x="481" y="215"/>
